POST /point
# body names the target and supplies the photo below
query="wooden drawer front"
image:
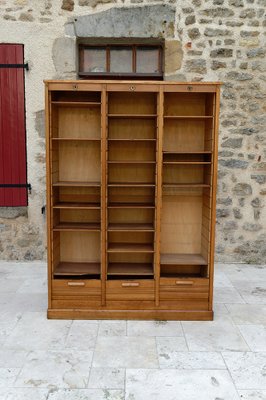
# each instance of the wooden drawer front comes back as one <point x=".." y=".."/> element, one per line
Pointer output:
<point x="190" y="88"/>
<point x="91" y="288"/>
<point x="130" y="290"/>
<point x="184" y="289"/>
<point x="132" y="87"/>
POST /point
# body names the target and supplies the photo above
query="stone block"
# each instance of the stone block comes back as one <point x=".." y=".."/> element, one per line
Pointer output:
<point x="173" y="56"/>
<point x="242" y="189"/>
<point x="223" y="53"/>
<point x="141" y="22"/>
<point x="193" y="33"/>
<point x="198" y="66"/>
<point x="64" y="55"/>
<point x="68" y="5"/>
<point x="233" y="143"/>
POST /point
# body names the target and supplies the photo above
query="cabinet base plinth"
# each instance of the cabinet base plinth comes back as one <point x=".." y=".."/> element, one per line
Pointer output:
<point x="174" y="315"/>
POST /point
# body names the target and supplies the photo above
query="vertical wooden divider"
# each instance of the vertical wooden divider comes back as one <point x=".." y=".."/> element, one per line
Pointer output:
<point x="213" y="193"/>
<point x="158" y="193"/>
<point x="48" y="128"/>
<point x="103" y="190"/>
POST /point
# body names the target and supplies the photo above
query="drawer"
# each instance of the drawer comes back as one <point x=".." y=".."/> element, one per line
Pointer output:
<point x="130" y="290"/>
<point x="68" y="287"/>
<point x="132" y="87"/>
<point x="189" y="88"/>
<point x="184" y="288"/>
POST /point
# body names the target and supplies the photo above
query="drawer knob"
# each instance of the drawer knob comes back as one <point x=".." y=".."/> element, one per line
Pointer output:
<point x="130" y="284"/>
<point x="184" y="282"/>
<point x="190" y="88"/>
<point x="132" y="88"/>
<point x="76" y="283"/>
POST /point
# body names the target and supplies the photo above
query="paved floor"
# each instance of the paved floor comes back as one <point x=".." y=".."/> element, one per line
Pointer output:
<point x="133" y="360"/>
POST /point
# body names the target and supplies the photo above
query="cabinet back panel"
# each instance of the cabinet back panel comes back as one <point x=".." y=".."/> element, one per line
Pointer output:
<point x="131" y="173"/>
<point x="79" y="162"/>
<point x="185" y="104"/>
<point x="133" y="151"/>
<point x="130" y="258"/>
<point x="80" y="246"/>
<point x="131" y="195"/>
<point x="184" y="135"/>
<point x="77" y="195"/>
<point x="132" y="103"/>
<point x="130" y="237"/>
<point x="79" y="122"/>
<point x="135" y="216"/>
<point x="85" y="216"/>
<point x="125" y="128"/>
<point x="183" y="174"/>
<point x="181" y="221"/>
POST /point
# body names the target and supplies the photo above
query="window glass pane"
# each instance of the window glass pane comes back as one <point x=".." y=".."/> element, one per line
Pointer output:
<point x="147" y="60"/>
<point x="94" y="60"/>
<point x="121" y="59"/>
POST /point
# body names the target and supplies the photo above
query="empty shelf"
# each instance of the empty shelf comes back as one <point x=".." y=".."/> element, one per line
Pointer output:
<point x="77" y="269"/>
<point x="187" y="162"/>
<point x="130" y="140"/>
<point x="74" y="226"/>
<point x="132" y="162"/>
<point x="130" y="205"/>
<point x="132" y="115"/>
<point x="129" y="269"/>
<point x="130" y="248"/>
<point x="76" y="139"/>
<point x="83" y="206"/>
<point x="184" y="185"/>
<point x="76" y="103"/>
<point x="131" y="227"/>
<point x="77" y="184"/>
<point x="183" y="259"/>
<point x="188" y="116"/>
<point x="131" y="184"/>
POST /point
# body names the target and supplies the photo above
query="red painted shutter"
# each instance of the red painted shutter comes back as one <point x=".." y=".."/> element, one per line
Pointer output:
<point x="13" y="169"/>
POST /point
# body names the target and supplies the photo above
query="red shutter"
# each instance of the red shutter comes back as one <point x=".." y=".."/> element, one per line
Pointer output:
<point x="13" y="170"/>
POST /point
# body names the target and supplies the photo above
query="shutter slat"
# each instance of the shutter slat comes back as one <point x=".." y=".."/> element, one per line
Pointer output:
<point x="12" y="127"/>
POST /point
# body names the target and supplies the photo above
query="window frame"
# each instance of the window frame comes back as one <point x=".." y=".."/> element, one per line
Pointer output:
<point x="119" y="75"/>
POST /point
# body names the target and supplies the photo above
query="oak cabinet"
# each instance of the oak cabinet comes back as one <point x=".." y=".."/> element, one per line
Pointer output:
<point x="131" y="186"/>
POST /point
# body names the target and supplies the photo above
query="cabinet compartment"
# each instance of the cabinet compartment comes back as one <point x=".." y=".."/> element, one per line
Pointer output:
<point x="186" y="174"/>
<point x="78" y="219"/>
<point x="189" y="104"/>
<point x="76" y="254"/>
<point x="131" y="197"/>
<point x="132" y="129"/>
<point x="76" y="197"/>
<point x="132" y="103"/>
<point x="70" y="162"/>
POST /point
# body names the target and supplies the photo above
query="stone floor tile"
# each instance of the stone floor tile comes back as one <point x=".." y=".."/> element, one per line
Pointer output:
<point x="227" y="295"/>
<point x="82" y="335"/>
<point x="56" y="369"/>
<point x="221" y="280"/>
<point x="125" y="352"/>
<point x="107" y="378"/>
<point x="24" y="302"/>
<point x="169" y="347"/>
<point x="10" y="285"/>
<point x="173" y="384"/>
<point x="23" y="394"/>
<point x="218" y="335"/>
<point x="154" y="328"/>
<point x="247" y="313"/>
<point x="245" y="272"/>
<point x="252" y="292"/>
<point x="255" y="336"/>
<point x="112" y="328"/>
<point x="8" y="322"/>
<point x="8" y="376"/>
<point x="252" y="394"/>
<point x="248" y="369"/>
<point x="219" y="309"/>
<point x="189" y="360"/>
<point x="34" y="285"/>
<point x="12" y="358"/>
<point x="35" y="332"/>
<point x="86" y="394"/>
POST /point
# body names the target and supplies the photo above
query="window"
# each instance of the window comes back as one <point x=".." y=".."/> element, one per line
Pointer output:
<point x="119" y="60"/>
<point x="13" y="170"/>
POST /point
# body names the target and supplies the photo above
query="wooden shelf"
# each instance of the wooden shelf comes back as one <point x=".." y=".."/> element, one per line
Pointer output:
<point x="73" y="139"/>
<point x="76" y="103"/>
<point x="130" y="205"/>
<point x="131" y="184"/>
<point x="77" y="269"/>
<point x="77" y="184"/>
<point x="77" y="206"/>
<point x="75" y="226"/>
<point x="129" y="269"/>
<point x="183" y="259"/>
<point x="132" y="115"/>
<point x="130" y="227"/>
<point x="187" y="162"/>
<point x="188" y="116"/>
<point x="184" y="185"/>
<point x="132" y="162"/>
<point x="131" y="140"/>
<point x="130" y="248"/>
<point x="187" y="152"/>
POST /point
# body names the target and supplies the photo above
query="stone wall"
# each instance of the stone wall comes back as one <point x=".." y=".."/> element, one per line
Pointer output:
<point x="209" y="40"/>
